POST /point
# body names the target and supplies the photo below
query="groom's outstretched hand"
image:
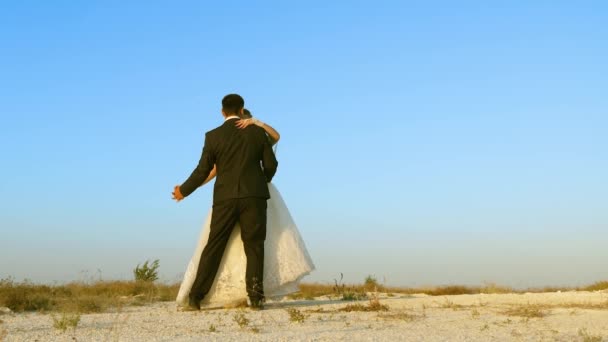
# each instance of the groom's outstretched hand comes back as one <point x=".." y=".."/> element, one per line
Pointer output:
<point x="177" y="194"/>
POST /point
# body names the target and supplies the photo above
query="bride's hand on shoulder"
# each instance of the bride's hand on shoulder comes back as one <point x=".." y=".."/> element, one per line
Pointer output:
<point x="242" y="123"/>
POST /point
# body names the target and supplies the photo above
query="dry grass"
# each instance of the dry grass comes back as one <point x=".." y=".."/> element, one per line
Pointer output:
<point x="101" y="296"/>
<point x="343" y="292"/>
<point x="588" y="306"/>
<point x="312" y="290"/>
<point x="319" y="310"/>
<point x="545" y="308"/>
<point x="82" y="297"/>
<point x="400" y="316"/>
<point x="373" y="305"/>
<point x="588" y="337"/>
<point x="599" y="286"/>
<point x="527" y="311"/>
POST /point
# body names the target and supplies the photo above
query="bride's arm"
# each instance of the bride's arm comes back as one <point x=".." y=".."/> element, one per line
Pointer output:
<point x="212" y="175"/>
<point x="272" y="133"/>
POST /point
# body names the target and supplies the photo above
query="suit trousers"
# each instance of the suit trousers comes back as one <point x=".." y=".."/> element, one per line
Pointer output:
<point x="250" y="213"/>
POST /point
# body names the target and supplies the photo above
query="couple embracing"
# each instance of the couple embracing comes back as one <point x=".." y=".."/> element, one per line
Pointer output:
<point x="250" y="248"/>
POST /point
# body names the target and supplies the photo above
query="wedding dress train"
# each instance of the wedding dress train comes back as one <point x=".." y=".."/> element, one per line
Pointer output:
<point x="286" y="260"/>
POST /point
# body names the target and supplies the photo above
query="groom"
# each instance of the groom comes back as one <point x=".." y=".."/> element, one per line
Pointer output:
<point x="240" y="195"/>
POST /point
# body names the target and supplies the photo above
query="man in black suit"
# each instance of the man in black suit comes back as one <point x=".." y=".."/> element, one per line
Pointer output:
<point x="240" y="195"/>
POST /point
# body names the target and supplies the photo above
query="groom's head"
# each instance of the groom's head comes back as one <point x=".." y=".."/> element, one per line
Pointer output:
<point x="232" y="104"/>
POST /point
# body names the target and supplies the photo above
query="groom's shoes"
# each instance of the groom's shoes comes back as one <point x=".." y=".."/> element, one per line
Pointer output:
<point x="256" y="304"/>
<point x="193" y="305"/>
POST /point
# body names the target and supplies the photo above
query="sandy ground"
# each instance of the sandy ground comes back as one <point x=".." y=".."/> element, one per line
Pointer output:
<point x="567" y="316"/>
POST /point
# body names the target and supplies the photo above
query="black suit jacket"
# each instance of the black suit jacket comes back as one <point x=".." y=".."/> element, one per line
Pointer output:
<point x="237" y="153"/>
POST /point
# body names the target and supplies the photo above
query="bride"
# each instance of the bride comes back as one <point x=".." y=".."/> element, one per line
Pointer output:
<point x="286" y="260"/>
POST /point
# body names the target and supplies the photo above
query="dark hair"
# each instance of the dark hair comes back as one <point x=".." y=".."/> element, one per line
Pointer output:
<point x="247" y="114"/>
<point x="232" y="104"/>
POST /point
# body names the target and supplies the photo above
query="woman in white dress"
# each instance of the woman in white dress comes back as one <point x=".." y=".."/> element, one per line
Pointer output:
<point x="286" y="260"/>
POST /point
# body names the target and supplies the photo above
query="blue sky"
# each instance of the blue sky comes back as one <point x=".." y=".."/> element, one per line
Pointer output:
<point x="429" y="142"/>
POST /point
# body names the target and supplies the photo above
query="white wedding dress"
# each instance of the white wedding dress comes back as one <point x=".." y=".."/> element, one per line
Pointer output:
<point x="286" y="260"/>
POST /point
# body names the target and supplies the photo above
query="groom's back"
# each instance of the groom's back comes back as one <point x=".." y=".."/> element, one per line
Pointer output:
<point x="238" y="154"/>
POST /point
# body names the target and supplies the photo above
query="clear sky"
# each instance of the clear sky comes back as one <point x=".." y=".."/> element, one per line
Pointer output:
<point x="423" y="142"/>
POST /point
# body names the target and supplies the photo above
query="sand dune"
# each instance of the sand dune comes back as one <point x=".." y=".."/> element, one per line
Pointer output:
<point x="560" y="316"/>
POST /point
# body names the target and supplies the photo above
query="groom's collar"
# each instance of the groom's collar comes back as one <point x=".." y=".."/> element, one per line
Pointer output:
<point x="231" y="117"/>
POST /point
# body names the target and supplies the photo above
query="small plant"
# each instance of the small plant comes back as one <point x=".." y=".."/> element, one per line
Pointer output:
<point x="295" y="315"/>
<point x="339" y="286"/>
<point x="371" y="282"/>
<point x="474" y="313"/>
<point x="212" y="328"/>
<point x="485" y="327"/>
<point x="241" y="320"/>
<point x="147" y="272"/>
<point x="350" y="295"/>
<point x="374" y="305"/>
<point x="344" y="293"/>
<point x="589" y="338"/>
<point x="66" y="321"/>
<point x="118" y="322"/>
<point x="450" y="305"/>
<point x="255" y="330"/>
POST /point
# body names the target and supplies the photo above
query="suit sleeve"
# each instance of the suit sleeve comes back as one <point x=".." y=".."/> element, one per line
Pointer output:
<point x="202" y="170"/>
<point x="269" y="160"/>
